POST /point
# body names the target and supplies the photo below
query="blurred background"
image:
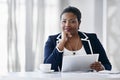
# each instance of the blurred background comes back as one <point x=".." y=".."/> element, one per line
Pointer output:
<point x="26" y="24"/>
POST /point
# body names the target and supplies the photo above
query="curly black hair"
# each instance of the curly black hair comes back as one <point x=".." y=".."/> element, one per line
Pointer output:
<point x="73" y="10"/>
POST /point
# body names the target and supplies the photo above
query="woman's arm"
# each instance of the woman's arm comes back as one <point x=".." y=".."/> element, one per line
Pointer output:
<point x="51" y="54"/>
<point x="98" y="48"/>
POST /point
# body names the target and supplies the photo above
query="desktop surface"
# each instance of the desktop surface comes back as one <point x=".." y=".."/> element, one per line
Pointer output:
<point x="60" y="76"/>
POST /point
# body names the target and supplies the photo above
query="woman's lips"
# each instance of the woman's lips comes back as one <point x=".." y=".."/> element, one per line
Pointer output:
<point x="67" y="29"/>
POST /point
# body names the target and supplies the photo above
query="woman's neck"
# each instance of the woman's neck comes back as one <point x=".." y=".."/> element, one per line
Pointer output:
<point x="74" y="36"/>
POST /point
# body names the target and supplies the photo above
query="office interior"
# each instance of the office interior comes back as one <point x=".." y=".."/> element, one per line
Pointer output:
<point x="26" y="24"/>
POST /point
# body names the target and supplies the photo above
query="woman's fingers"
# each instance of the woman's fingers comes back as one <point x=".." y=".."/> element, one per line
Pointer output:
<point x="97" y="66"/>
<point x="66" y="35"/>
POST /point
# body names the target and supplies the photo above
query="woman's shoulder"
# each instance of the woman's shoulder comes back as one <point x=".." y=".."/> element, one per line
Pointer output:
<point x="54" y="36"/>
<point x="89" y="34"/>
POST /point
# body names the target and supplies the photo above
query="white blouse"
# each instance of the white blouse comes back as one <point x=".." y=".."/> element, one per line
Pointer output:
<point x="67" y="52"/>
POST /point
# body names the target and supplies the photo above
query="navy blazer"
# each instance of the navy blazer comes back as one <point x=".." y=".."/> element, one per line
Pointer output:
<point x="91" y="45"/>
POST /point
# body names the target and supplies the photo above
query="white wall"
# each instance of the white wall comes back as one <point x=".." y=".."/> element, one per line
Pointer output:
<point x="87" y="10"/>
<point x="113" y="32"/>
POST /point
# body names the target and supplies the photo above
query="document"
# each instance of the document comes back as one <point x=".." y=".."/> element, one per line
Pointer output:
<point x="78" y="62"/>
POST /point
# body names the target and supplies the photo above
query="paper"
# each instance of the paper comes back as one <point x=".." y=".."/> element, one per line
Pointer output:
<point x="78" y="62"/>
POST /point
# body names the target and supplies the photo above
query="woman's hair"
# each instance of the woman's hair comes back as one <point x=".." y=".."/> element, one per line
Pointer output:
<point x="73" y="10"/>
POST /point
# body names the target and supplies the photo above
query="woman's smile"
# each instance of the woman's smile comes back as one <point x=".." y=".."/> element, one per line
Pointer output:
<point x="68" y="29"/>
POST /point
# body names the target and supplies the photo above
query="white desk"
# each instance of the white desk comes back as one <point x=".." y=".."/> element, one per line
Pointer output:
<point x="59" y="76"/>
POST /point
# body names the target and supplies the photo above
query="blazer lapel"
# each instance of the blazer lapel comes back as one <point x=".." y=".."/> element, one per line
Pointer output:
<point x="86" y="47"/>
<point x="58" y="38"/>
<point x="86" y="43"/>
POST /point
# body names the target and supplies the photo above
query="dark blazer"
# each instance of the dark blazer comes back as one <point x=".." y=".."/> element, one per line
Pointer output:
<point x="91" y="45"/>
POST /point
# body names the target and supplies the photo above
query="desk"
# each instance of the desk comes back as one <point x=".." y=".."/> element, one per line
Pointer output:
<point x="59" y="76"/>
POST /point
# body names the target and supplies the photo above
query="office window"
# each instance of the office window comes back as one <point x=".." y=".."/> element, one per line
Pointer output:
<point x="52" y="10"/>
<point x="13" y="25"/>
<point x="3" y="36"/>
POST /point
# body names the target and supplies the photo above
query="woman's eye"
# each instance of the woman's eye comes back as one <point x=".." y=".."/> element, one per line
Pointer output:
<point x="64" y="21"/>
<point x="73" y="21"/>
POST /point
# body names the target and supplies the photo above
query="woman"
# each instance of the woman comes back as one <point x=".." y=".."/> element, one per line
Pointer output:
<point x="73" y="41"/>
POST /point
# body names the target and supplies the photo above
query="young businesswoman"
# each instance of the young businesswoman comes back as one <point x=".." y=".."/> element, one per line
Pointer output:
<point x="74" y="41"/>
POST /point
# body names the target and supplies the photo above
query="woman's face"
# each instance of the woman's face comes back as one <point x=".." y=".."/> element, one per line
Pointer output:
<point x="69" y="22"/>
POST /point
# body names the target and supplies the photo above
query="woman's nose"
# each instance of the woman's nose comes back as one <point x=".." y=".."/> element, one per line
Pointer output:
<point x="67" y="23"/>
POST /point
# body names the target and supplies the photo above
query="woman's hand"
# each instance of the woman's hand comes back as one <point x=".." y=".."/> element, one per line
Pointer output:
<point x="65" y="35"/>
<point x="97" y="66"/>
<point x="64" y="38"/>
